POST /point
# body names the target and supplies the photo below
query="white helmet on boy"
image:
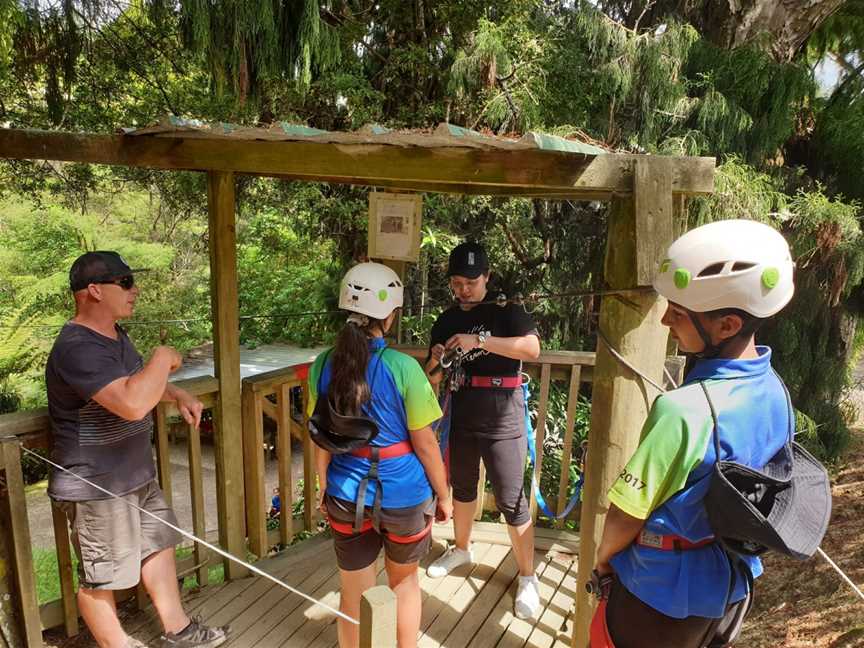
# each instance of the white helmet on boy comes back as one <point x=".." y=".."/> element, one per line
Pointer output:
<point x="371" y="289"/>
<point x="739" y="264"/>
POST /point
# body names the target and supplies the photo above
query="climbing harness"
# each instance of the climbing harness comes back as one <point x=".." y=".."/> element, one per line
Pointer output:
<point x="188" y="535"/>
<point x="353" y="435"/>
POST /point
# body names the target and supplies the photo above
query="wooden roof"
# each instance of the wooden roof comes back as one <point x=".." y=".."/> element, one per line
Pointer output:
<point x="450" y="159"/>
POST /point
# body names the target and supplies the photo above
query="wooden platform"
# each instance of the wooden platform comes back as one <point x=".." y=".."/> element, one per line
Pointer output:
<point x="470" y="607"/>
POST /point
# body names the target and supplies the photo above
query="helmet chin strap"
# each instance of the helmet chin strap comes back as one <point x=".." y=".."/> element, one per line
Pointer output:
<point x="711" y="350"/>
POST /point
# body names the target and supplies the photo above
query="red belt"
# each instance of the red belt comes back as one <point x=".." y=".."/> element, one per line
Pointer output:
<point x="669" y="542"/>
<point x="385" y="452"/>
<point x="491" y="382"/>
<point x="348" y="529"/>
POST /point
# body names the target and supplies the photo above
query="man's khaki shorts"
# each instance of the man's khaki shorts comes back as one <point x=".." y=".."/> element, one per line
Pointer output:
<point x="111" y="538"/>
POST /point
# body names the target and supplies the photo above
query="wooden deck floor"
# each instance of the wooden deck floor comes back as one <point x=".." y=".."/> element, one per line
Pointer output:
<point x="470" y="607"/>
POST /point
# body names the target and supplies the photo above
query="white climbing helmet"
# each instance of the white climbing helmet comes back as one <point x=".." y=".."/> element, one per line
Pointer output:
<point x="739" y="264"/>
<point x="371" y="289"/>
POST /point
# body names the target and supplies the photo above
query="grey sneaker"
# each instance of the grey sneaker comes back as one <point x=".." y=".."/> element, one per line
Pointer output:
<point x="134" y="643"/>
<point x="196" y="635"/>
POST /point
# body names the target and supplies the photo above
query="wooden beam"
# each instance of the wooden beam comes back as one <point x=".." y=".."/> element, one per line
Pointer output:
<point x="362" y="164"/>
<point x="620" y="400"/>
<point x="653" y="199"/>
<point x="226" y="355"/>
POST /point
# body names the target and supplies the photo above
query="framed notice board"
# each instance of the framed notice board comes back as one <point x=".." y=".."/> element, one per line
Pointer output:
<point x="394" y="226"/>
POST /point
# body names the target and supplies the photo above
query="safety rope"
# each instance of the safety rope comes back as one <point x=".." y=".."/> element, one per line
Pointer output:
<point x="188" y="535"/>
<point x="500" y="300"/>
<point x="614" y="352"/>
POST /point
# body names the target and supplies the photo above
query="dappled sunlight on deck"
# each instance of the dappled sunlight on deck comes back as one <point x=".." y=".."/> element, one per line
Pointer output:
<point x="470" y="607"/>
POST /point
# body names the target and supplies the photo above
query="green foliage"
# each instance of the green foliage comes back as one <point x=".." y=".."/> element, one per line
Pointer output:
<point x="632" y="76"/>
<point x="746" y="102"/>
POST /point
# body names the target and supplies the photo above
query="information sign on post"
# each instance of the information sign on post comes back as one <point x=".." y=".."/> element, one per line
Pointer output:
<point x="394" y="226"/>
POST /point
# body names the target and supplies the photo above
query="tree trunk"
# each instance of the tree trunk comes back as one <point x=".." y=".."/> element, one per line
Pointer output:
<point x="780" y="26"/>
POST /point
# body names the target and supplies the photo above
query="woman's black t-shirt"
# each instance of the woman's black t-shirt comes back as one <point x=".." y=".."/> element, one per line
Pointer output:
<point x="489" y="412"/>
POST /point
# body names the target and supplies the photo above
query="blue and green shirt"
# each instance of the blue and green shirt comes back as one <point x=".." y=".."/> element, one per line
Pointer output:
<point x="666" y="480"/>
<point x="402" y="400"/>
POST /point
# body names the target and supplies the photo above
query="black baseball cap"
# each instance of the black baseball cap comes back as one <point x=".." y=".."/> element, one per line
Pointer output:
<point x="95" y="267"/>
<point x="468" y="260"/>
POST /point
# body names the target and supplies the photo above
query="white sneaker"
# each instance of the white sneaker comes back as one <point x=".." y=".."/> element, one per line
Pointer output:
<point x="449" y="561"/>
<point x="527" y="601"/>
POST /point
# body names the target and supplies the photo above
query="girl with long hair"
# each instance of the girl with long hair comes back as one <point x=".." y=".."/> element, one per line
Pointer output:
<point x="380" y="470"/>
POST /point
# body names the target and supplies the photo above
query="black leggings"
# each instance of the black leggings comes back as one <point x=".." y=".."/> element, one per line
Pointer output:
<point x="505" y="466"/>
<point x="633" y="624"/>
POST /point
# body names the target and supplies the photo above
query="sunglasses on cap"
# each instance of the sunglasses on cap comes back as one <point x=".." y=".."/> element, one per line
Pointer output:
<point x="125" y="283"/>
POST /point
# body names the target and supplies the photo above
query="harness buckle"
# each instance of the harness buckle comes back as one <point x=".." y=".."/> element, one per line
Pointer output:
<point x="599" y="586"/>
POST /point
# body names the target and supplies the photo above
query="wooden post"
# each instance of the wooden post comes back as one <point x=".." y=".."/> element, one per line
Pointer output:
<point x="283" y="454"/>
<point x="378" y="618"/>
<point x="226" y="352"/>
<point x="481" y="493"/>
<point x="310" y="476"/>
<point x="540" y="433"/>
<point x="253" y="453"/>
<point x="22" y="549"/>
<point x="399" y="268"/>
<point x="64" y="568"/>
<point x="567" y="450"/>
<point x="620" y="401"/>
<point x="196" y="489"/>
<point x="163" y="453"/>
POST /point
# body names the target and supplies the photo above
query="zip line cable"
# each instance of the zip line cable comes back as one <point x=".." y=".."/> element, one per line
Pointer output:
<point x="500" y="300"/>
<point x="188" y="535"/>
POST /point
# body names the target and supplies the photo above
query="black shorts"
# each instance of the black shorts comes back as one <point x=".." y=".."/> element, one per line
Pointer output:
<point x="634" y="624"/>
<point x="505" y="467"/>
<point x="359" y="550"/>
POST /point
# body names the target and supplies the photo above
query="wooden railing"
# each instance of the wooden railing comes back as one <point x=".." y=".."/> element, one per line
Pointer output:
<point x="273" y="396"/>
<point x="280" y="396"/>
<point x="569" y="367"/>
<point x="31" y="429"/>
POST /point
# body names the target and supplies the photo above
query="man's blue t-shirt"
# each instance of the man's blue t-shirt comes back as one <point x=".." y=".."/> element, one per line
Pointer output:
<point x="402" y="400"/>
<point x="666" y="480"/>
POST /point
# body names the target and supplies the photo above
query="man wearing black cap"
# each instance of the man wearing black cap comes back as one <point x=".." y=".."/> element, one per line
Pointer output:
<point x="487" y="417"/>
<point x="100" y="398"/>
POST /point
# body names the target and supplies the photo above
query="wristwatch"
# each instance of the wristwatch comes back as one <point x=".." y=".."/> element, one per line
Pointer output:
<point x="481" y="339"/>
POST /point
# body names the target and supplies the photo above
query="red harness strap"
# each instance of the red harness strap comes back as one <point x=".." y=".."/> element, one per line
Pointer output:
<point x="599" y="632"/>
<point x="500" y="382"/>
<point x="669" y="542"/>
<point x="385" y="452"/>
<point x="348" y="529"/>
